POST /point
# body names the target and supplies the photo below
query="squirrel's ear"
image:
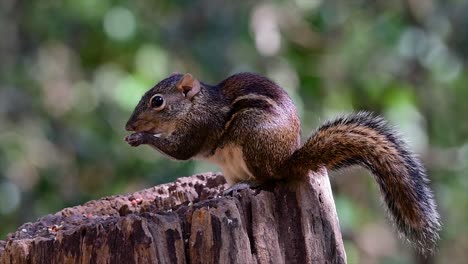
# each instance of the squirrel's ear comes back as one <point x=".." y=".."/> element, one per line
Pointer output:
<point x="188" y="86"/>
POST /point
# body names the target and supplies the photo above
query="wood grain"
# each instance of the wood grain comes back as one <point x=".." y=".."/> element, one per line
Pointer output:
<point x="188" y="221"/>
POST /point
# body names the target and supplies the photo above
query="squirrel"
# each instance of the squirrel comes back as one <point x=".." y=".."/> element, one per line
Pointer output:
<point x="249" y="126"/>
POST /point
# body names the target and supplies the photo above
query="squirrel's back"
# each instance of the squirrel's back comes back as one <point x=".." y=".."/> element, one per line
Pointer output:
<point x="244" y="84"/>
<point x="262" y="125"/>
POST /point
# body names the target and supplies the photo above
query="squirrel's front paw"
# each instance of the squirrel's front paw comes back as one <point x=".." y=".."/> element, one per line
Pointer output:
<point x="135" y="139"/>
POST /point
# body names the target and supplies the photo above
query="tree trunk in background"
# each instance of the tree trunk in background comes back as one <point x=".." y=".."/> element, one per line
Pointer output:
<point x="188" y="222"/>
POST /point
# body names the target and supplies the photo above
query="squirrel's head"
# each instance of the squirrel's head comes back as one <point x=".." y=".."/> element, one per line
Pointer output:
<point x="165" y="105"/>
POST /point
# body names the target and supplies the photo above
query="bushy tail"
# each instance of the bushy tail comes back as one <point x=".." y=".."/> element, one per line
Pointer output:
<point x="366" y="140"/>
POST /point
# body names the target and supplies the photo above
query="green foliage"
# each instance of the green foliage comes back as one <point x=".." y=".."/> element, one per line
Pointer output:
<point x="72" y="71"/>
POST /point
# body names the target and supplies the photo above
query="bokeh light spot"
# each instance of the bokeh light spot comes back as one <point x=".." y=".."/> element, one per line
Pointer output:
<point x="264" y="24"/>
<point x="129" y="92"/>
<point x="119" y="23"/>
<point x="9" y="197"/>
<point x="151" y="62"/>
<point x="308" y="4"/>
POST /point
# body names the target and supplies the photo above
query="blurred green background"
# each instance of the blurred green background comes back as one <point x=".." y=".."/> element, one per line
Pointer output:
<point x="72" y="71"/>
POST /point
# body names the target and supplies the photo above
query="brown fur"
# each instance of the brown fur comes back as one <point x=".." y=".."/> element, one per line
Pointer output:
<point x="365" y="140"/>
<point x="334" y="145"/>
<point x="249" y="126"/>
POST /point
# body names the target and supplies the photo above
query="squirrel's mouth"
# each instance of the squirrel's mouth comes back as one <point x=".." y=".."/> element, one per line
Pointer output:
<point x="158" y="135"/>
<point x="159" y="130"/>
<point x="145" y="127"/>
<point x="153" y="133"/>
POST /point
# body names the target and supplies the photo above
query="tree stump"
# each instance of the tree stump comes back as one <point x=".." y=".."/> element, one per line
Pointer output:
<point x="189" y="221"/>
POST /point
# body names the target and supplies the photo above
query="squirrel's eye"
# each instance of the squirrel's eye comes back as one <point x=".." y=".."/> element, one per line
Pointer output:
<point x="157" y="102"/>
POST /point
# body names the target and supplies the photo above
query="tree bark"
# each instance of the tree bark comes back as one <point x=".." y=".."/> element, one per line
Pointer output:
<point x="189" y="221"/>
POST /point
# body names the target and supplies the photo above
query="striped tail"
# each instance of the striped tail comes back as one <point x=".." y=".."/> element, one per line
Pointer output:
<point x="366" y="140"/>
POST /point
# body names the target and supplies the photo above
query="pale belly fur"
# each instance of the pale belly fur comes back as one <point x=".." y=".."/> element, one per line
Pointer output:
<point x="231" y="160"/>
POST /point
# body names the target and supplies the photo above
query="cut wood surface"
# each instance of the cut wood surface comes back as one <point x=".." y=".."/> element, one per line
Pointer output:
<point x="189" y="221"/>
